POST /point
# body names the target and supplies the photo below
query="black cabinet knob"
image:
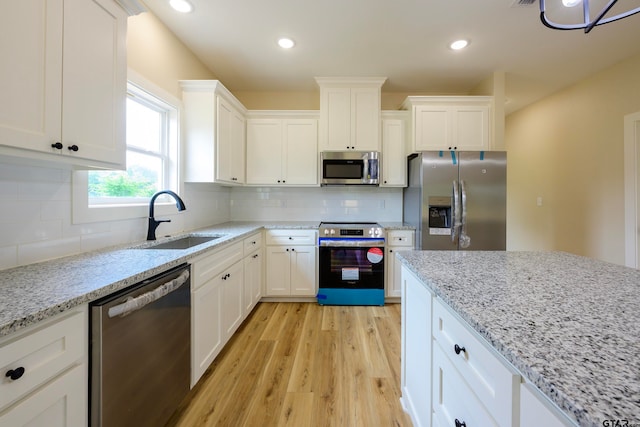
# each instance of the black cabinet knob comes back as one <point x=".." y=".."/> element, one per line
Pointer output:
<point x="73" y="147"/>
<point x="57" y="145"/>
<point x="293" y="250"/>
<point x="459" y="349"/>
<point x="460" y="423"/>
<point x="287" y="249"/>
<point x="15" y="374"/>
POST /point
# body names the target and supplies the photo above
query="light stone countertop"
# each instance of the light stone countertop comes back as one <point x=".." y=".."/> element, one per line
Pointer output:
<point x="34" y="292"/>
<point x="569" y="324"/>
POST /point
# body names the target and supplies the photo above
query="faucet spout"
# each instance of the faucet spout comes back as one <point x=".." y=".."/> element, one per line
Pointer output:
<point x="154" y="223"/>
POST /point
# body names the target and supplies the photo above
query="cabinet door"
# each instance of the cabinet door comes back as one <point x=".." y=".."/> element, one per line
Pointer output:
<point x="206" y="327"/>
<point x="60" y="403"/>
<point x="471" y="127"/>
<point x="336" y="124"/>
<point x="365" y="119"/>
<point x="237" y="147"/>
<point x="278" y="276"/>
<point x="303" y="271"/>
<point x="394" y="160"/>
<point x="264" y="151"/>
<point x="31" y="75"/>
<point x="224" y="115"/>
<point x="94" y="80"/>
<point x="392" y="286"/>
<point x="232" y="299"/>
<point x="432" y="128"/>
<point x="252" y="281"/>
<point x="301" y="153"/>
<point x="452" y="398"/>
<point x="416" y="349"/>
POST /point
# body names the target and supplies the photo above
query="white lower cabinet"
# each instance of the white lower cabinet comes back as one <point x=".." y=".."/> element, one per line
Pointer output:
<point x="60" y="403"/>
<point x="45" y="373"/>
<point x="416" y="349"/>
<point x="217" y="305"/>
<point x="253" y="271"/>
<point x="397" y="240"/>
<point x="291" y="259"/>
<point x="536" y="410"/>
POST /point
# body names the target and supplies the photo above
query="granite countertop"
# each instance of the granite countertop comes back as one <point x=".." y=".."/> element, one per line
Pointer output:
<point x="34" y="292"/>
<point x="569" y="324"/>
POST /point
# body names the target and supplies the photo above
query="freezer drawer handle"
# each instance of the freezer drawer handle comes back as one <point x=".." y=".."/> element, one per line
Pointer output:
<point x="140" y="301"/>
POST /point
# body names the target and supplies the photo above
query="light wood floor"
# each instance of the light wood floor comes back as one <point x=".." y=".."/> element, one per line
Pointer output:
<point x="301" y="364"/>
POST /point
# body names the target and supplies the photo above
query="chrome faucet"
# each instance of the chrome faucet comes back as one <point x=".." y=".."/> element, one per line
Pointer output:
<point x="153" y="223"/>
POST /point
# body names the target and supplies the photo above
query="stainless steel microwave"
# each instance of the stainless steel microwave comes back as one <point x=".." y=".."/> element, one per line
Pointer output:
<point x="350" y="168"/>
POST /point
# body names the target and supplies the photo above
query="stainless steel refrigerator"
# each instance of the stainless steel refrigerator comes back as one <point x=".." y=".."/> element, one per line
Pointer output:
<point x="456" y="200"/>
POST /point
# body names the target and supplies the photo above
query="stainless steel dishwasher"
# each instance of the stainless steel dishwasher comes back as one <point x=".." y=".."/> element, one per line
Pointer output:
<point x="140" y="352"/>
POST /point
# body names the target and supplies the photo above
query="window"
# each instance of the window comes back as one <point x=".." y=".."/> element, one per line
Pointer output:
<point x="152" y="160"/>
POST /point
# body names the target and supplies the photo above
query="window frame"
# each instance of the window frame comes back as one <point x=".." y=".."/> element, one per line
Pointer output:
<point x="135" y="207"/>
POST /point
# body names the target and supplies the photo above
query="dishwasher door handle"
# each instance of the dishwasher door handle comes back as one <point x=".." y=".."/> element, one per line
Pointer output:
<point x="140" y="301"/>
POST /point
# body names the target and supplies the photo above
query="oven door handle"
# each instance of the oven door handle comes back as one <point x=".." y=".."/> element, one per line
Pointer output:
<point x="140" y="301"/>
<point x="350" y="243"/>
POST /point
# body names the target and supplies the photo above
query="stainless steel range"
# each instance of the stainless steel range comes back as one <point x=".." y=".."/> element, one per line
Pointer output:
<point x="351" y="263"/>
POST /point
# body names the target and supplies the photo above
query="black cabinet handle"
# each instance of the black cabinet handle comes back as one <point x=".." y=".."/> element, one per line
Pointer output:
<point x="73" y="147"/>
<point x="460" y="423"/>
<point x="255" y="256"/>
<point x="293" y="250"/>
<point x="57" y="145"/>
<point x="287" y="249"/>
<point x="459" y="349"/>
<point x="15" y="374"/>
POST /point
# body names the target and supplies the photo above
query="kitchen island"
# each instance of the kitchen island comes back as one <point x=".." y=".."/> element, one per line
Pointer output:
<point x="567" y="324"/>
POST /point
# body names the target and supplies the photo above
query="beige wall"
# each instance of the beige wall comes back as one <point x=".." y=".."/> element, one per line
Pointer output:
<point x="568" y="149"/>
<point x="155" y="53"/>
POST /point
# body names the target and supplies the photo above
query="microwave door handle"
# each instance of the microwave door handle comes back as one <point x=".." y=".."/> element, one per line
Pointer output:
<point x="455" y="224"/>
<point x="465" y="240"/>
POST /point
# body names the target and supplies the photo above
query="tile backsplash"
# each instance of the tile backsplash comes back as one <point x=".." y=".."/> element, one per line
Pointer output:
<point x="36" y="215"/>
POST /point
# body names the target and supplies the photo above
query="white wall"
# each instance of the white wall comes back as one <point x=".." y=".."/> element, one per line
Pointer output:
<point x="317" y="204"/>
<point x="568" y="148"/>
<point x="36" y="223"/>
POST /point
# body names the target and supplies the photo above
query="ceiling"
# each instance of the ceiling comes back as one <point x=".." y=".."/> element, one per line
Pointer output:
<point x="403" y="40"/>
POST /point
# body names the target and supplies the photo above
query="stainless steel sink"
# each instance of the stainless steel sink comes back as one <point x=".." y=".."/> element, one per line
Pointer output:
<point x="183" y="243"/>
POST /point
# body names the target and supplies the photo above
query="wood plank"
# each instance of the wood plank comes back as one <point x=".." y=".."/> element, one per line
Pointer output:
<point x="302" y="364"/>
<point x="296" y="410"/>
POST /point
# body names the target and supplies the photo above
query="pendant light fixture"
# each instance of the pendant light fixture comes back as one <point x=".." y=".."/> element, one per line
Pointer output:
<point x="588" y="23"/>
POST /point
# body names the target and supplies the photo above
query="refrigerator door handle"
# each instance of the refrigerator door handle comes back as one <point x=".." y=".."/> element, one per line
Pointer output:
<point x="465" y="240"/>
<point x="455" y="224"/>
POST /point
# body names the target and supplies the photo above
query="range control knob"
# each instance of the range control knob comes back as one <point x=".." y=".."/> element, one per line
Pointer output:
<point x="332" y="232"/>
<point x="326" y="232"/>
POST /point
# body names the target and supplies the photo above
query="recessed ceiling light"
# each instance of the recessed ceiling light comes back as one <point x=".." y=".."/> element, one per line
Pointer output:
<point x="181" y="5"/>
<point x="459" y="44"/>
<point x="286" y="43"/>
<point x="571" y="3"/>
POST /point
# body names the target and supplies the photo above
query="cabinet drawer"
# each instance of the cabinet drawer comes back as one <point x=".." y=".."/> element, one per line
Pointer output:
<point x="207" y="266"/>
<point x="252" y="243"/>
<point x="490" y="378"/>
<point x="43" y="352"/>
<point x="291" y="237"/>
<point x="400" y="238"/>
<point x="453" y="399"/>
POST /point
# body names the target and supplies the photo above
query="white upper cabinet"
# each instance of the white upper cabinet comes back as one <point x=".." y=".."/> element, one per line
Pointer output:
<point x="350" y="113"/>
<point x="64" y="84"/>
<point x="450" y="123"/>
<point x="282" y="149"/>
<point x="394" y="157"/>
<point x="214" y="133"/>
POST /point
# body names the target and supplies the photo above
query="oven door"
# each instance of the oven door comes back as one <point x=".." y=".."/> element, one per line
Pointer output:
<point x="351" y="267"/>
<point x="351" y="272"/>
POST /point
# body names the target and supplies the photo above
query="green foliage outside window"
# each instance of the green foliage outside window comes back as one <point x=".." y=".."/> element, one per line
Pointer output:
<point x="135" y="182"/>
